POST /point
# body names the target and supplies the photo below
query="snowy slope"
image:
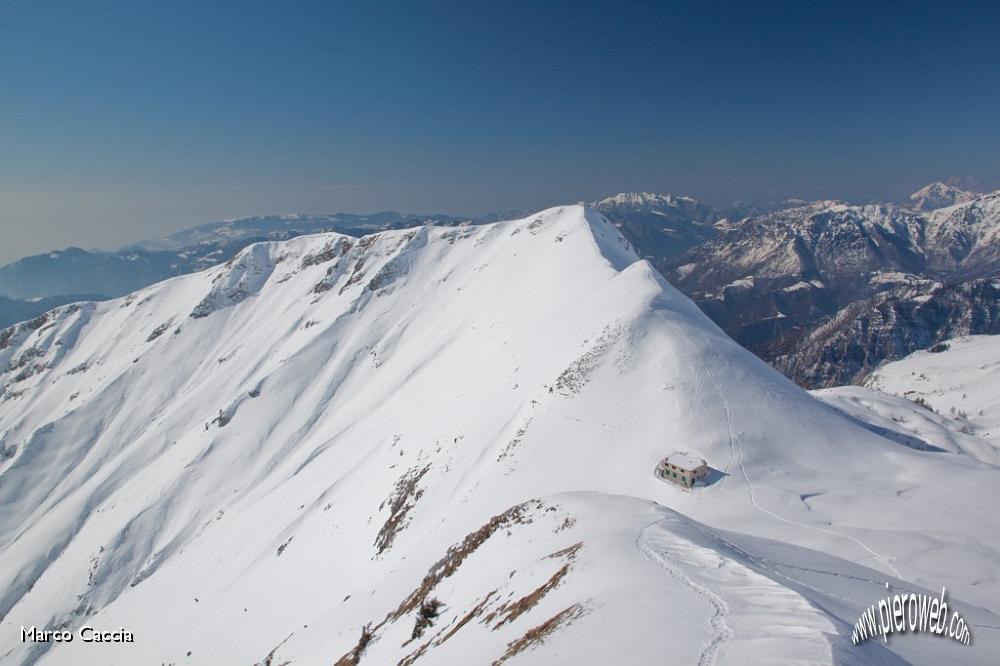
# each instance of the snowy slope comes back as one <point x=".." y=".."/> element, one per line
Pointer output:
<point x="902" y="418"/>
<point x="961" y="382"/>
<point x="253" y="463"/>
<point x="14" y="310"/>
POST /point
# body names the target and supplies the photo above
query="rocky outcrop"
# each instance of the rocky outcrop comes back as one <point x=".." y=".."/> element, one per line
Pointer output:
<point x="887" y="327"/>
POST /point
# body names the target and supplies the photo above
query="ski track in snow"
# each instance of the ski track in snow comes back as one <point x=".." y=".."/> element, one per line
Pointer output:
<point x="719" y="631"/>
<point x="735" y="440"/>
<point x="736" y="452"/>
<point x="771" y="565"/>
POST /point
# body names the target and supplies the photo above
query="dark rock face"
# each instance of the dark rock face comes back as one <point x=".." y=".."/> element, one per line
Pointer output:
<point x="660" y="226"/>
<point x="886" y="327"/>
<point x="823" y="290"/>
<point x="824" y="240"/>
<point x="770" y="274"/>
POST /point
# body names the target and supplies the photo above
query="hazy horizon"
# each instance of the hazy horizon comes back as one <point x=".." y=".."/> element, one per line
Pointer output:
<point x="122" y="238"/>
<point x="123" y="122"/>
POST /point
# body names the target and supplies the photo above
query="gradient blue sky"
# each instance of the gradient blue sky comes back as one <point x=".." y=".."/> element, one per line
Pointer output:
<point x="122" y="120"/>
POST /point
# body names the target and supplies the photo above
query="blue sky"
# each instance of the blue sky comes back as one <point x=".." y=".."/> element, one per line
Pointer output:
<point x="121" y="120"/>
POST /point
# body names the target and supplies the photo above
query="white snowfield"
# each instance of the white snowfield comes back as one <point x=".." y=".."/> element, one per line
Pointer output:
<point x="945" y="400"/>
<point x="436" y="446"/>
<point x="962" y="382"/>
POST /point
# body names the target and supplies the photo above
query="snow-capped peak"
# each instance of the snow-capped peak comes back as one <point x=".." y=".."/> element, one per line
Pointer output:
<point x="939" y="195"/>
<point x="644" y="201"/>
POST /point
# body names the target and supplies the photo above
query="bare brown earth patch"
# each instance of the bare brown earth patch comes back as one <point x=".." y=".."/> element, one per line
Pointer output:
<point x="516" y="440"/>
<point x="402" y="500"/>
<point x="158" y="331"/>
<point x="575" y="377"/>
<point x="507" y="613"/>
<point x="536" y="636"/>
<point x="328" y="253"/>
<point x="356" y="275"/>
<point x="442" y="569"/>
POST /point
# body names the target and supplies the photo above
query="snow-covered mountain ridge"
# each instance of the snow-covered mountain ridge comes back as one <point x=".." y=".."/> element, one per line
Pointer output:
<point x="436" y="445"/>
<point x="769" y="275"/>
<point x="650" y="201"/>
<point x="939" y="195"/>
<point x="112" y="274"/>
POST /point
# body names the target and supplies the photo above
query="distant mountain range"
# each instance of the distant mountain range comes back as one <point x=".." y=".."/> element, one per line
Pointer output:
<point x="773" y="281"/>
<point x="909" y="316"/>
<point x="780" y="279"/>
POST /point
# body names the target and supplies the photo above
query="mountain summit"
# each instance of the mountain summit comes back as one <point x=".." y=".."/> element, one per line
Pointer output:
<point x="437" y="445"/>
<point x="940" y="195"/>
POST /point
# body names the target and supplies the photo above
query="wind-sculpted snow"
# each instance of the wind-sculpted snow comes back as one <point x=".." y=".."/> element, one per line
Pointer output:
<point x="436" y="445"/>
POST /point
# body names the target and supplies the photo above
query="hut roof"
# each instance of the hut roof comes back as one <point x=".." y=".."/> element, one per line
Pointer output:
<point x="684" y="461"/>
